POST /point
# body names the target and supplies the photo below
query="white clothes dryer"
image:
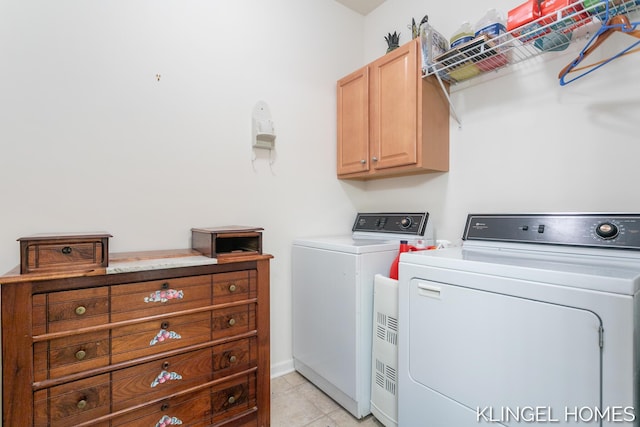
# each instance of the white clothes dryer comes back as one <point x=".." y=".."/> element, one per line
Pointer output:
<point x="533" y="321"/>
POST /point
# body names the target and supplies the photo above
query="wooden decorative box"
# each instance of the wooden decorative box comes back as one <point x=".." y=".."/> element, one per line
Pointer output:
<point x="63" y="252"/>
<point x="229" y="241"/>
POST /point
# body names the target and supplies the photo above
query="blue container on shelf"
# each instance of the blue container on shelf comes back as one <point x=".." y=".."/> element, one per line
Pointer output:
<point x="463" y="35"/>
<point x="553" y="42"/>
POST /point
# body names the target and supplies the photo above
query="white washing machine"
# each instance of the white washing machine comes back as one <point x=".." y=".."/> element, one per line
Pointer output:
<point x="332" y="287"/>
<point x="534" y="320"/>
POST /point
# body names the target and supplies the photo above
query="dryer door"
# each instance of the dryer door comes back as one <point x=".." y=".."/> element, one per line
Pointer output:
<point x="494" y="353"/>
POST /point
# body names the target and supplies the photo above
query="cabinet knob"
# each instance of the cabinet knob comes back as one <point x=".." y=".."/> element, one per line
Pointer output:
<point x="231" y="399"/>
<point x="232" y="287"/>
<point x="363" y="161"/>
<point x="232" y="321"/>
<point x="81" y="354"/>
<point x="82" y="404"/>
<point x="66" y="250"/>
<point x="233" y="359"/>
<point x="375" y="159"/>
<point x="80" y="310"/>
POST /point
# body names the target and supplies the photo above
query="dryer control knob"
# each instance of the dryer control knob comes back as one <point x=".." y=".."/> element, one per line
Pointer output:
<point x="607" y="230"/>
<point x="406" y="222"/>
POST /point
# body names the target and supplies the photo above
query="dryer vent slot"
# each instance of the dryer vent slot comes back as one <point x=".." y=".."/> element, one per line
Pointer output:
<point x="387" y="328"/>
<point x="386" y="377"/>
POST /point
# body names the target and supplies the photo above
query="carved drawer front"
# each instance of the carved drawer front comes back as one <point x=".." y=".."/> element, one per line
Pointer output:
<point x="234" y="356"/>
<point x="73" y="403"/>
<point x="153" y="337"/>
<point x="234" y="286"/>
<point x="63" y="311"/>
<point x="134" y="300"/>
<point x="49" y="256"/>
<point x="64" y="356"/>
<point x="193" y="410"/>
<point x="160" y="378"/>
<point x="234" y="320"/>
<point x="234" y="397"/>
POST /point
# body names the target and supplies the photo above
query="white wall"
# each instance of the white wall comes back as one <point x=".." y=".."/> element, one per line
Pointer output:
<point x="90" y="140"/>
<point x="526" y="143"/>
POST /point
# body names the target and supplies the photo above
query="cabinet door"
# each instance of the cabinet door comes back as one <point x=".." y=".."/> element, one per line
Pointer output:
<point x="353" y="122"/>
<point x="394" y="108"/>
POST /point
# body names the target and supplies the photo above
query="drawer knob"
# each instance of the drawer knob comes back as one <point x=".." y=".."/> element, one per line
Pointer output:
<point x="231" y="399"/>
<point x="82" y="404"/>
<point x="165" y="285"/>
<point x="81" y="354"/>
<point x="165" y="365"/>
<point x="233" y="359"/>
<point x="164" y="407"/>
<point x="80" y="310"/>
<point x="164" y="325"/>
<point x="232" y="287"/>
<point x="232" y="321"/>
<point x="66" y="250"/>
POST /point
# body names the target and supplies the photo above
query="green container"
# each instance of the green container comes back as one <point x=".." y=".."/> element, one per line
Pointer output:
<point x="616" y="7"/>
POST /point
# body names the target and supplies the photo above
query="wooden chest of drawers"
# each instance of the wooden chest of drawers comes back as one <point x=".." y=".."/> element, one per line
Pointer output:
<point x="153" y="347"/>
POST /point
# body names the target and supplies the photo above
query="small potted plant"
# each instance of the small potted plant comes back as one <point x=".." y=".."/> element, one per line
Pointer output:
<point x="393" y="41"/>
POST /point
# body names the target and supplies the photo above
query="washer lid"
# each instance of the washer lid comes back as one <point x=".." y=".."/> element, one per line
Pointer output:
<point x="348" y="244"/>
<point x="588" y="270"/>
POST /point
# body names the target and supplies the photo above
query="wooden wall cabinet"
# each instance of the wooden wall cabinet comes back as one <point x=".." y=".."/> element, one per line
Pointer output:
<point x="391" y="121"/>
<point x="186" y="345"/>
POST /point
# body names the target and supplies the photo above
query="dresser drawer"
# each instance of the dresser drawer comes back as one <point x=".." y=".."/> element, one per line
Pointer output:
<point x="231" y="321"/>
<point x="68" y="310"/>
<point x="249" y="419"/>
<point x="147" y="338"/>
<point x="135" y="300"/>
<point x="70" y="404"/>
<point x="234" y="356"/>
<point x="234" y="397"/>
<point x="43" y="253"/>
<point x="234" y="286"/>
<point x="64" y="356"/>
<point x="193" y="410"/>
<point x="160" y="378"/>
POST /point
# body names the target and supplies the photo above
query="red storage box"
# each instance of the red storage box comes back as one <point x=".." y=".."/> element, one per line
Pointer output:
<point x="566" y="8"/>
<point x="520" y="20"/>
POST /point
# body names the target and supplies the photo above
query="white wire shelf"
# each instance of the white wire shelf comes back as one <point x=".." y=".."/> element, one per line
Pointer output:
<point x="549" y="33"/>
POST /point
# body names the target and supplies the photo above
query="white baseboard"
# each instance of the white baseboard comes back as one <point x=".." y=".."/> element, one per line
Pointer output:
<point x="282" y="368"/>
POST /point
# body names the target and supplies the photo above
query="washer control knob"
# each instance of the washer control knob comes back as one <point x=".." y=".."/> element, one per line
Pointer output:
<point x="607" y="230"/>
<point x="406" y="222"/>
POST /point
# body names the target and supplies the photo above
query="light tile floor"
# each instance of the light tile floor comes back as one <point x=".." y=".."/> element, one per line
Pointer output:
<point x="295" y="402"/>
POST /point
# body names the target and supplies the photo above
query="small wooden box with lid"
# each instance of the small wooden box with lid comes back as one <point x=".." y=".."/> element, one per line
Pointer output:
<point x="227" y="242"/>
<point x="63" y="252"/>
